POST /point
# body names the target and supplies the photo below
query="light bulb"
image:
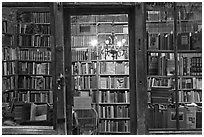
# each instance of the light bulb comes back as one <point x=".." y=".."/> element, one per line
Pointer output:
<point x="123" y="41"/>
<point x="119" y="43"/>
<point x="107" y="41"/>
<point x="94" y="42"/>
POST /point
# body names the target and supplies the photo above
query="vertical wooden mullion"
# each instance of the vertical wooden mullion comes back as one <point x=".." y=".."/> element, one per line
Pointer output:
<point x="59" y="73"/>
<point x="141" y="74"/>
<point x="68" y="73"/>
<point x="53" y="63"/>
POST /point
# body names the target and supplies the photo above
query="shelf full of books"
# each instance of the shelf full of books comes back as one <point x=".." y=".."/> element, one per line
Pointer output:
<point x="9" y="55"/>
<point x="26" y="56"/>
<point x="34" y="56"/>
<point x="163" y="58"/>
<point x="100" y="68"/>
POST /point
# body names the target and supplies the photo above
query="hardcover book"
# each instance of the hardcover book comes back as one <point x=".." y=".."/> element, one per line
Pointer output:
<point x="196" y="41"/>
<point x="40" y="82"/>
<point x="183" y="42"/>
<point x="153" y="43"/>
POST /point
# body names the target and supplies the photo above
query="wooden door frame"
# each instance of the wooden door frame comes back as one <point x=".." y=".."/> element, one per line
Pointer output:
<point x="138" y="94"/>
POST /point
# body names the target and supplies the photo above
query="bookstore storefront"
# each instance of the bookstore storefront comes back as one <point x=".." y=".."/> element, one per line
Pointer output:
<point x="102" y="68"/>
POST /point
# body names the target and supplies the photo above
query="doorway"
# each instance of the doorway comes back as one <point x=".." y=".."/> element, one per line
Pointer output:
<point x="101" y="43"/>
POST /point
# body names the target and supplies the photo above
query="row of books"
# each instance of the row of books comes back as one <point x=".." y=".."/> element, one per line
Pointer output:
<point x="8" y="97"/>
<point x="190" y="96"/>
<point x="190" y="83"/>
<point x="34" y="54"/>
<point x="190" y="65"/>
<point x="7" y="40"/>
<point x="114" y="67"/>
<point x="34" y="17"/>
<point x="85" y="82"/>
<point x="186" y="15"/>
<point x="164" y="41"/>
<point x="189" y="41"/>
<point x="188" y="27"/>
<point x="109" y="28"/>
<point x="84" y="68"/>
<point x="34" y="68"/>
<point x="8" y="68"/>
<point x="26" y="54"/>
<point x="8" y="83"/>
<point x="113" y="17"/>
<point x="36" y="96"/>
<point x="35" y="82"/>
<point x="85" y="18"/>
<point x="34" y="29"/>
<point x="9" y="53"/>
<point x="113" y="111"/>
<point x="168" y="16"/>
<point x="83" y="54"/>
<point x="160" y="41"/>
<point x="82" y="40"/>
<point x="183" y="83"/>
<point x="114" y="97"/>
<point x="154" y="82"/>
<point x="79" y="29"/>
<point x="114" y="126"/>
<point x="101" y="28"/>
<point x="100" y="18"/>
<point x="115" y="82"/>
<point x="159" y="27"/>
<point x="159" y="16"/>
<point x="7" y="27"/>
<point x="87" y="54"/>
<point x="34" y="41"/>
<point x="161" y="65"/>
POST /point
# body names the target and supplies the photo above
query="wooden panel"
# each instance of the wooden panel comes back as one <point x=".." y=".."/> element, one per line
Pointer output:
<point x="25" y="4"/>
<point x="28" y="130"/>
<point x="141" y="86"/>
<point x="97" y="3"/>
<point x="59" y="90"/>
<point x="68" y="73"/>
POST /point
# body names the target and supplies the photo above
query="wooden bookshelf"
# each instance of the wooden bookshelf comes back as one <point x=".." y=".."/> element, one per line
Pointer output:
<point x="27" y="59"/>
<point x="34" y="53"/>
<point x="174" y="60"/>
<point x="9" y="55"/>
<point x="88" y="63"/>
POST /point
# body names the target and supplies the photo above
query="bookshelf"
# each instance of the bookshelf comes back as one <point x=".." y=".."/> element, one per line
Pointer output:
<point x="9" y="55"/>
<point x="26" y="59"/>
<point x="99" y="73"/>
<point x="34" y="56"/>
<point x="174" y="60"/>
